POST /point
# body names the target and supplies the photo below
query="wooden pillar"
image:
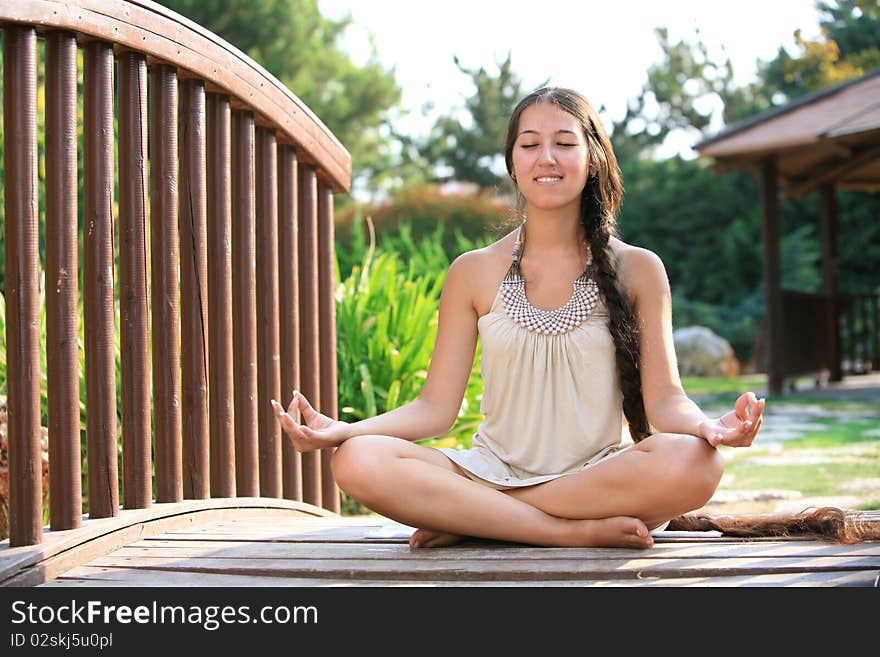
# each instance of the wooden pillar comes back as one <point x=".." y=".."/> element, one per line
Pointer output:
<point x="288" y="308"/>
<point x="831" y="276"/>
<point x="134" y="329"/>
<point x="772" y="275"/>
<point x="327" y="337"/>
<point x="62" y="286"/>
<point x="165" y="292"/>
<point x="244" y="306"/>
<point x="22" y="285"/>
<point x="268" y="359"/>
<point x="309" y="344"/>
<point x="194" y="290"/>
<point x="875" y="350"/>
<point x="98" y="320"/>
<point x="221" y="403"/>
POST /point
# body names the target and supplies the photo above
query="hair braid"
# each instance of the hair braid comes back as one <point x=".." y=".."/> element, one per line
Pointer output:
<point x="622" y="324"/>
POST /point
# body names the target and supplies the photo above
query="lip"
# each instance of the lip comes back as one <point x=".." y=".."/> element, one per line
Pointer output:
<point x="548" y="179"/>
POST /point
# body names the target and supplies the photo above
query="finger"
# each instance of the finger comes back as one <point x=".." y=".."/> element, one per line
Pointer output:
<point x="759" y="409"/>
<point x="757" y="428"/>
<point x="293" y="406"/>
<point x="747" y="404"/>
<point x="289" y="425"/>
<point x="305" y="407"/>
<point x="741" y="406"/>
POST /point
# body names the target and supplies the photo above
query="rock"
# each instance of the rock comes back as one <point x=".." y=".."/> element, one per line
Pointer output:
<point x="701" y="352"/>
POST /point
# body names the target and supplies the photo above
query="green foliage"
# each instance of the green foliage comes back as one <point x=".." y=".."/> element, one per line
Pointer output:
<point x="412" y="218"/>
<point x="386" y="324"/>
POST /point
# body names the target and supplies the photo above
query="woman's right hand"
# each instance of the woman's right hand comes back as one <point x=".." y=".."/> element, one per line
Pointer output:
<point x="318" y="431"/>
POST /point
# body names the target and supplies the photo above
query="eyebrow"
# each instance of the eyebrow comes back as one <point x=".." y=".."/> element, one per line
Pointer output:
<point x="529" y="130"/>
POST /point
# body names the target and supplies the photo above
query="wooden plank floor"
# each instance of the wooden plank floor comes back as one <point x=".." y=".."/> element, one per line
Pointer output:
<point x="372" y="551"/>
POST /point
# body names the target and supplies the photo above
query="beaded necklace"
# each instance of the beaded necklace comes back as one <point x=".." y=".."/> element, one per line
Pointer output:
<point x="583" y="300"/>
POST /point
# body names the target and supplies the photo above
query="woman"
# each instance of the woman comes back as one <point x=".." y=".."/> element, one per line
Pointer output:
<point x="562" y="363"/>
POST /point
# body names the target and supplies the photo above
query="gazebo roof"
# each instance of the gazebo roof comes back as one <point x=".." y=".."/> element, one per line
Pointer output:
<point x="832" y="135"/>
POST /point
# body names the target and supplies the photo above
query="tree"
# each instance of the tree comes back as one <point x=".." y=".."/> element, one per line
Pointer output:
<point x="469" y="149"/>
<point x="670" y="98"/>
<point x="299" y="46"/>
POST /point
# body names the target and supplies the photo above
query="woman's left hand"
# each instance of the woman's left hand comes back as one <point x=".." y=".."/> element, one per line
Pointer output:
<point x="737" y="428"/>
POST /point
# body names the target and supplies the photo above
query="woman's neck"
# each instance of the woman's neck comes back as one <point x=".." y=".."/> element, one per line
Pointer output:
<point x="552" y="231"/>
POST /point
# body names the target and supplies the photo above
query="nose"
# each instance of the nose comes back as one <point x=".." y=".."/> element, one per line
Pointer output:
<point x="547" y="154"/>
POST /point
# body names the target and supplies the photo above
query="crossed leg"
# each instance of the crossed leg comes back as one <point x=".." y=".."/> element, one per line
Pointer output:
<point x="609" y="504"/>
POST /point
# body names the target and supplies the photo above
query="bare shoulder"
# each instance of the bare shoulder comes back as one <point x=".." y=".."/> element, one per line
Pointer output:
<point x="640" y="270"/>
<point x="477" y="274"/>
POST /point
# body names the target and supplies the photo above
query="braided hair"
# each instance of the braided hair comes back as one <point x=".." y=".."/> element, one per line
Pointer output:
<point x="600" y="201"/>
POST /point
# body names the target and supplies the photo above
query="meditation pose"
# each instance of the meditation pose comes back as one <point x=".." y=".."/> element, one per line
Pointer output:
<point x="576" y="331"/>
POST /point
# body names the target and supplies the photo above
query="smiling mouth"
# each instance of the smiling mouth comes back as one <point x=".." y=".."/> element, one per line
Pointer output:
<point x="543" y="180"/>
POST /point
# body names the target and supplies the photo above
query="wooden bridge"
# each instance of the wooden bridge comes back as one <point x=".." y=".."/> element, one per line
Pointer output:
<point x="227" y="182"/>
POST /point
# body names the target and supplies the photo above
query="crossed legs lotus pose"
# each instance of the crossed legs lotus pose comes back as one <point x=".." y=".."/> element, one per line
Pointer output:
<point x="610" y="504"/>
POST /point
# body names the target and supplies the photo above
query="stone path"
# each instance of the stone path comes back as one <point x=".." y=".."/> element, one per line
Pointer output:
<point x="859" y="403"/>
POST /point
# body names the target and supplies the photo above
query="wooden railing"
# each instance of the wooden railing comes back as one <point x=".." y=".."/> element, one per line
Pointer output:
<point x="223" y="253"/>
<point x="822" y="336"/>
<point x="807" y="345"/>
<point x="860" y="332"/>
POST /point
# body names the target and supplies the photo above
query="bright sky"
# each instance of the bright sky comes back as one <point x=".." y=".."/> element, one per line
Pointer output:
<point x="602" y="48"/>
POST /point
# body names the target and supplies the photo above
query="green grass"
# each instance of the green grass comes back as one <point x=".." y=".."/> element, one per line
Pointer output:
<point x="838" y="433"/>
<point x="840" y="449"/>
<point x="718" y="386"/>
<point x="826" y="478"/>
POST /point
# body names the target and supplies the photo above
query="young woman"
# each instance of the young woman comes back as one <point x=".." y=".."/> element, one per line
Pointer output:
<point x="576" y="328"/>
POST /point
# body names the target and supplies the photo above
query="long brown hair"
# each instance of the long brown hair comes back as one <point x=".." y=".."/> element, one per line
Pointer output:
<point x="600" y="202"/>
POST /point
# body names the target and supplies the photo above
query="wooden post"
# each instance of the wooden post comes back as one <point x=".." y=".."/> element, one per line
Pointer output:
<point x="62" y="285"/>
<point x="327" y="335"/>
<point x="309" y="346"/>
<point x="268" y="372"/>
<point x="831" y="276"/>
<point x="772" y="276"/>
<point x="875" y="327"/>
<point x="194" y="290"/>
<point x="244" y="305"/>
<point x="22" y="285"/>
<point x="99" y="324"/>
<point x="134" y="318"/>
<point x="165" y="251"/>
<point x="220" y="366"/>
<point x="288" y="284"/>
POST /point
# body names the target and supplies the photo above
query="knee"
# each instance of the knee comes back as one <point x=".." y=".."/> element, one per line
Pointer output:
<point x="355" y="465"/>
<point x="696" y="467"/>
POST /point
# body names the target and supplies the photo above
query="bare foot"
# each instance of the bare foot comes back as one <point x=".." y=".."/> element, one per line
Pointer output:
<point x="427" y="538"/>
<point x="619" y="531"/>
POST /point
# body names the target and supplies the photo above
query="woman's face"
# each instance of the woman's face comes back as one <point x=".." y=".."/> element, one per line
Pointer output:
<point x="550" y="158"/>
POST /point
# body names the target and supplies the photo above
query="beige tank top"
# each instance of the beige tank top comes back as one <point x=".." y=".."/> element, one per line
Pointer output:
<point x="551" y="398"/>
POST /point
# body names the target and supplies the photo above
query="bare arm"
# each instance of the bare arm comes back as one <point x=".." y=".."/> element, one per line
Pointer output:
<point x="667" y="406"/>
<point x="436" y="409"/>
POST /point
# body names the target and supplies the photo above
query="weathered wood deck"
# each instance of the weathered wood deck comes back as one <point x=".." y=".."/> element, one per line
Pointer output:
<point x="272" y="543"/>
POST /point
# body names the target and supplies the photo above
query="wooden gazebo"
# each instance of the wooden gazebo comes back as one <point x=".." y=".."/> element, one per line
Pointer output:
<point x="821" y="142"/>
